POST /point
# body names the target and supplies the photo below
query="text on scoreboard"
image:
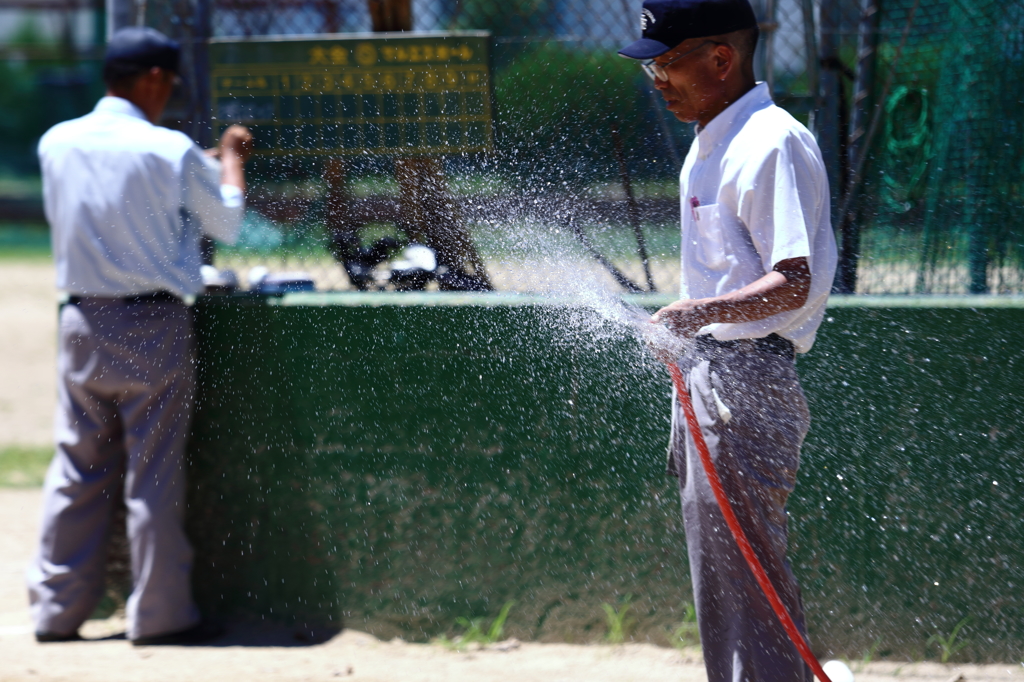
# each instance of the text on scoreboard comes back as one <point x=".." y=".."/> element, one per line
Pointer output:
<point x="386" y="93"/>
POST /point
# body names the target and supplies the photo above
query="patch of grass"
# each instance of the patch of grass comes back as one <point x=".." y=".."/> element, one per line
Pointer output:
<point x="24" y="241"/>
<point x="475" y="632"/>
<point x="112" y="604"/>
<point x="619" y="622"/>
<point x="869" y="655"/>
<point x="527" y="242"/>
<point x="948" y="646"/>
<point x="21" y="185"/>
<point x="30" y="256"/>
<point x="23" y="467"/>
<point x="662" y="188"/>
<point x="686" y="635"/>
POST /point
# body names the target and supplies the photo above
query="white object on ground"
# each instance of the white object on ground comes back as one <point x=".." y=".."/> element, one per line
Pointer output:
<point x="837" y="671"/>
<point x="257" y="274"/>
<point x="284" y="282"/>
<point x="212" y="277"/>
<point x="417" y="256"/>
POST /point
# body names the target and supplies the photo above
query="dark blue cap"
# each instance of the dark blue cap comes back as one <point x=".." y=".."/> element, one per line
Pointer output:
<point x="142" y="48"/>
<point x="666" y="23"/>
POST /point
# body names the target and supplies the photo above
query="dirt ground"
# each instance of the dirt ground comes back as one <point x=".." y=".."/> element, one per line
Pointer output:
<point x="27" y="351"/>
<point x="269" y="655"/>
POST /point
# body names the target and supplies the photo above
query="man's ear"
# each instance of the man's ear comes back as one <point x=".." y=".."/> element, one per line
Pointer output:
<point x="725" y="59"/>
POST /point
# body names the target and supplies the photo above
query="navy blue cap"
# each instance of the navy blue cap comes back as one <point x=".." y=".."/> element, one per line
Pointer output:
<point x="666" y="23"/>
<point x="143" y="48"/>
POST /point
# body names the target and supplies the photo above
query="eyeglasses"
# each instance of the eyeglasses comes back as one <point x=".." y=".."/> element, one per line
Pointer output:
<point x="658" y="71"/>
<point x="169" y="75"/>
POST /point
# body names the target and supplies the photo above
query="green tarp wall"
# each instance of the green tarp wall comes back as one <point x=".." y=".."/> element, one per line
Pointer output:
<point x="391" y="462"/>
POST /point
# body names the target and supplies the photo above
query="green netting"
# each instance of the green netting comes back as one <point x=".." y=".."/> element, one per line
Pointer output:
<point x="940" y="203"/>
<point x="937" y="198"/>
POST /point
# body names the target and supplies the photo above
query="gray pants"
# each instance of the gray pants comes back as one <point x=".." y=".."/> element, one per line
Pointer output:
<point x="753" y="416"/>
<point x="126" y="385"/>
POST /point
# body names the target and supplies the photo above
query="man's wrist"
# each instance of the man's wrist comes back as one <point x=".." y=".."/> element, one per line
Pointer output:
<point x="712" y="310"/>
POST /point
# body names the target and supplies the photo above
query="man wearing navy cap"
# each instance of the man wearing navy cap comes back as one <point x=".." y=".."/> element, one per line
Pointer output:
<point x="127" y="202"/>
<point x="758" y="259"/>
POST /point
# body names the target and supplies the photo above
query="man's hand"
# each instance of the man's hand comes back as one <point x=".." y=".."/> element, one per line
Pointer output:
<point x="234" y="150"/>
<point x="684" y="317"/>
<point x="236" y="140"/>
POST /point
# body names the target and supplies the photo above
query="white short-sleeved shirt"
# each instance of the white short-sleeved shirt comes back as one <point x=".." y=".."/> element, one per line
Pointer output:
<point x="127" y="202"/>
<point x="754" y="192"/>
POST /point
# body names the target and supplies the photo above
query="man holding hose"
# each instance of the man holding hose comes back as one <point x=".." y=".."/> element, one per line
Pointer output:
<point x="758" y="259"/>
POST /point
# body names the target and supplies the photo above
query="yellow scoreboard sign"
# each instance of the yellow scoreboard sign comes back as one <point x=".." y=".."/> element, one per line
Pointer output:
<point x="380" y="93"/>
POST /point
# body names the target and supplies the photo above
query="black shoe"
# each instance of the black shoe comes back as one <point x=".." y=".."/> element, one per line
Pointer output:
<point x="204" y="631"/>
<point x="47" y="637"/>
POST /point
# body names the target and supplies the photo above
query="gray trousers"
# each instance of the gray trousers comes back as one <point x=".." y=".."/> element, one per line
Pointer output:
<point x="126" y="385"/>
<point x="753" y="415"/>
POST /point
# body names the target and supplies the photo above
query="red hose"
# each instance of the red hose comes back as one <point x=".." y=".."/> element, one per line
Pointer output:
<point x="737" y="531"/>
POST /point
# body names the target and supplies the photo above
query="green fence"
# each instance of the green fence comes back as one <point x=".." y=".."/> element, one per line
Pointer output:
<point x="394" y="462"/>
<point x="941" y="204"/>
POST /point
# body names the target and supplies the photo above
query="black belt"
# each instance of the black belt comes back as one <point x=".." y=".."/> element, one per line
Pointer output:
<point x="773" y="343"/>
<point x="151" y="297"/>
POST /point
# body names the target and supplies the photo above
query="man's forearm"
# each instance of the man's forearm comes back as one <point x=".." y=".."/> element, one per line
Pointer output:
<point x="235" y="148"/>
<point x="783" y="289"/>
<point x="770" y="295"/>
<point x="232" y="169"/>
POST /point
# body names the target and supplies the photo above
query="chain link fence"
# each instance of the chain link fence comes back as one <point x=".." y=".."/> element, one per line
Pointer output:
<point x="912" y="103"/>
<point x="576" y="125"/>
<point x="940" y="202"/>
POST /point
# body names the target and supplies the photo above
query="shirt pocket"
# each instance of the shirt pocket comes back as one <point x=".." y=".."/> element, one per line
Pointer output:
<point x="710" y="238"/>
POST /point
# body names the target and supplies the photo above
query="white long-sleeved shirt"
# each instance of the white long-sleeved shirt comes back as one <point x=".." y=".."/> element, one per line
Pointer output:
<point x="754" y="192"/>
<point x="127" y="202"/>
